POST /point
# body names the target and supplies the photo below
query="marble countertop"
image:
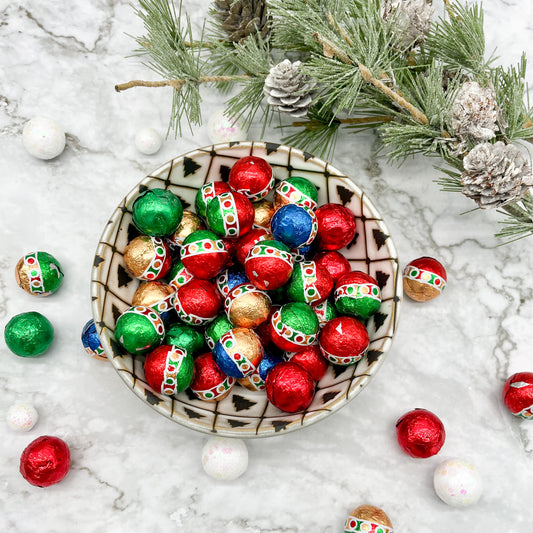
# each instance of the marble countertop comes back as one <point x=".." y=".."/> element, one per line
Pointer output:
<point x="134" y="470"/>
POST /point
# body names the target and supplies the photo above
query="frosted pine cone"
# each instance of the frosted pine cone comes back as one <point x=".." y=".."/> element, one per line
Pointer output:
<point x="241" y="18"/>
<point x="413" y="19"/>
<point x="475" y="112"/>
<point x="288" y="89"/>
<point x="495" y="174"/>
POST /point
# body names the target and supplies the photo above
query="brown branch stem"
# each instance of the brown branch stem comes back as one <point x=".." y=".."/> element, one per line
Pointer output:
<point x="179" y="83"/>
<point x="308" y="124"/>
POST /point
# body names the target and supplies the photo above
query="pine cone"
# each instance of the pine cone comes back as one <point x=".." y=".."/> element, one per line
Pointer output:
<point x="412" y="17"/>
<point x="288" y="89"/>
<point x="475" y="112"/>
<point x="241" y="18"/>
<point x="495" y="174"/>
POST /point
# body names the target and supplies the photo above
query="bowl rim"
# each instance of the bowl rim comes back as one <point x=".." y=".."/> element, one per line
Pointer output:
<point x="343" y="399"/>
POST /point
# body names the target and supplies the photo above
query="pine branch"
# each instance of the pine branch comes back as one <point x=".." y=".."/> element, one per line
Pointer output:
<point x="178" y="84"/>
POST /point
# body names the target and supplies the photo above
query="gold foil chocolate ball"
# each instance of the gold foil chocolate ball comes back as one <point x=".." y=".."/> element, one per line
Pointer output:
<point x="189" y="223"/>
<point x="263" y="212"/>
<point x="246" y="306"/>
<point x="147" y="258"/>
<point x="368" y="518"/>
<point x="155" y="294"/>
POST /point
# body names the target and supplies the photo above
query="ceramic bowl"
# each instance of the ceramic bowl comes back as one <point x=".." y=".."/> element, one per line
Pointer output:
<point x="244" y="413"/>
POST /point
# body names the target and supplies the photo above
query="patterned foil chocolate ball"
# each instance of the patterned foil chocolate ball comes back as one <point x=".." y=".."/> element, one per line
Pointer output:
<point x="251" y="176"/>
<point x="206" y="193"/>
<point x="139" y="329"/>
<point x="230" y="215"/>
<point x="91" y="341"/>
<point x="296" y="190"/>
<point x="39" y="274"/>
<point x="248" y="241"/>
<point x="157" y="212"/>
<point x="256" y="380"/>
<point x="310" y="283"/>
<point x="294" y="326"/>
<point x="147" y="258"/>
<point x="158" y="295"/>
<point x="230" y="278"/>
<point x="263" y="213"/>
<point x="29" y="334"/>
<point x="334" y="262"/>
<point x="214" y="330"/>
<point x="178" y="275"/>
<point x="246" y="306"/>
<point x="186" y="337"/>
<point x="518" y="394"/>
<point x="190" y="223"/>
<point x="198" y="302"/>
<point x="45" y="461"/>
<point x="238" y="352"/>
<point x="357" y="294"/>
<point x="368" y="519"/>
<point x="310" y="359"/>
<point x="424" y="279"/>
<point x="203" y="254"/>
<point x="336" y="226"/>
<point x="289" y="387"/>
<point x="344" y="340"/>
<point x="457" y="483"/>
<point x="209" y="383"/>
<point x="325" y="312"/>
<point x="168" y="369"/>
<point x="268" y="265"/>
<point x="294" y="226"/>
<point x="420" y="433"/>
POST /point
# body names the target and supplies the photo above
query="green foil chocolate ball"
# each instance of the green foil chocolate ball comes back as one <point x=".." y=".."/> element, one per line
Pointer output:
<point x="139" y="329"/>
<point x="157" y="212"/>
<point x="296" y="190"/>
<point x="216" y="329"/>
<point x="39" y="273"/>
<point x="294" y="326"/>
<point x="29" y="334"/>
<point x="185" y="337"/>
<point x="357" y="294"/>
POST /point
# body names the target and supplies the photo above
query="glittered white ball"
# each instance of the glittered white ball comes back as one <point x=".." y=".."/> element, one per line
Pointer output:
<point x="43" y="138"/>
<point x="222" y="129"/>
<point x="224" y="458"/>
<point x="457" y="483"/>
<point x="22" y="417"/>
<point x="148" y="141"/>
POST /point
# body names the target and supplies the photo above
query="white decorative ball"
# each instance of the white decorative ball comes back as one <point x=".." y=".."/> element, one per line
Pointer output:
<point x="224" y="458"/>
<point x="22" y="417"/>
<point x="222" y="129"/>
<point x="43" y="138"/>
<point x="148" y="141"/>
<point x="457" y="483"/>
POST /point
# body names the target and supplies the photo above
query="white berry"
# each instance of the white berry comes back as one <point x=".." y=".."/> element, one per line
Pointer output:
<point x="43" y="138"/>
<point x="224" y="458"/>
<point x="457" y="483"/>
<point x="148" y="141"/>
<point x="221" y="129"/>
<point x="22" y="417"/>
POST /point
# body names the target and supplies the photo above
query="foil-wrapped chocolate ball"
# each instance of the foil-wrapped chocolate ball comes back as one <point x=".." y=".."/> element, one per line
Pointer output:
<point x="420" y="433"/>
<point x="344" y="340"/>
<point x="155" y="294"/>
<point x="518" y="395"/>
<point x="296" y="190"/>
<point x="256" y="380"/>
<point x="310" y="283"/>
<point x="29" y="334"/>
<point x="251" y="176"/>
<point x="263" y="212"/>
<point x="230" y="278"/>
<point x="336" y="226"/>
<point x="334" y="262"/>
<point x="157" y="212"/>
<point x="310" y="359"/>
<point x="178" y="275"/>
<point x="294" y="326"/>
<point x="367" y="518"/>
<point x="39" y="273"/>
<point x="357" y="294"/>
<point x="168" y="369"/>
<point x="203" y="254"/>
<point x="209" y="383"/>
<point x="294" y="225"/>
<point x="325" y="312"/>
<point x="190" y="222"/>
<point x="289" y="387"/>
<point x="91" y="341"/>
<point x="230" y="215"/>
<point x="45" y="461"/>
<point x="248" y="241"/>
<point x="198" y="302"/>
<point x="139" y="329"/>
<point x="186" y="337"/>
<point x="247" y="306"/>
<point x="238" y="352"/>
<point x="268" y="265"/>
<point x="214" y="330"/>
<point x="147" y="258"/>
<point x="424" y="279"/>
<point x="206" y="193"/>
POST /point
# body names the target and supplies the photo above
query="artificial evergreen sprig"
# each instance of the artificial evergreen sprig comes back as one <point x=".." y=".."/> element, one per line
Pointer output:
<point x="357" y="64"/>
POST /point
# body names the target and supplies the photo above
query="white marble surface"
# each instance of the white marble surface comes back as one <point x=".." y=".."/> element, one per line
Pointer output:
<point x="132" y="469"/>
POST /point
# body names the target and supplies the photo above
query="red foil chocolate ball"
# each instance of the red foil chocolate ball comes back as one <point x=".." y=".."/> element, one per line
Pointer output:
<point x="289" y="387"/>
<point x="45" y="461"/>
<point x="251" y="176"/>
<point x="344" y="340"/>
<point x="209" y="383"/>
<point x="424" y="279"/>
<point x="310" y="359"/>
<point x="334" y="262"/>
<point x="197" y="302"/>
<point x="420" y="433"/>
<point x="518" y="394"/>
<point x="336" y="226"/>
